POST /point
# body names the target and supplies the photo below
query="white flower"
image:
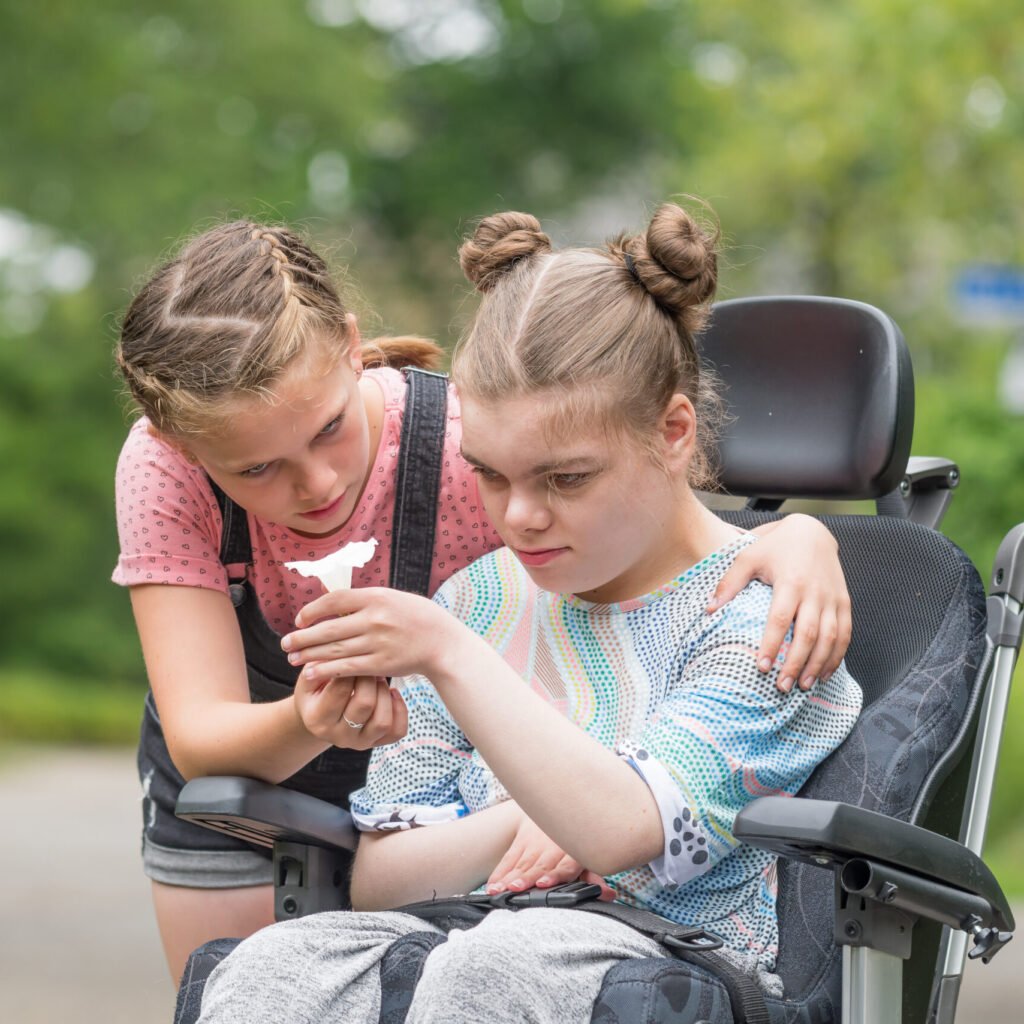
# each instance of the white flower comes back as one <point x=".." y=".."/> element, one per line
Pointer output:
<point x="335" y="571"/>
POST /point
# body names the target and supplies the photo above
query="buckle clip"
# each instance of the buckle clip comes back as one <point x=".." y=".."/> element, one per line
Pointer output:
<point x="569" y="894"/>
<point x="695" y="941"/>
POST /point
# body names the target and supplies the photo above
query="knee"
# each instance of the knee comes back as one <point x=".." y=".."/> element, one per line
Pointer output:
<point x="256" y="956"/>
<point x="491" y="957"/>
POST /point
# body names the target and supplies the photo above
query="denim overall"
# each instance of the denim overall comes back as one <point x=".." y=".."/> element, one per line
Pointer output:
<point x="337" y="772"/>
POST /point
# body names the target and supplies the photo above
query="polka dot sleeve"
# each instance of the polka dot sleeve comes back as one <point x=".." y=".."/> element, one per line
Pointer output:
<point x="686" y="847"/>
<point x="725" y="735"/>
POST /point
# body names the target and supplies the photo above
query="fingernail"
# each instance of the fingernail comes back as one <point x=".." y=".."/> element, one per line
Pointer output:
<point x="518" y="883"/>
<point x="712" y="604"/>
<point x="496" y="887"/>
<point x="807" y="682"/>
<point x="765" y="664"/>
<point x="826" y="676"/>
<point x="293" y="658"/>
<point x="786" y="684"/>
<point x="309" y="672"/>
<point x="286" y="642"/>
<point x="544" y="881"/>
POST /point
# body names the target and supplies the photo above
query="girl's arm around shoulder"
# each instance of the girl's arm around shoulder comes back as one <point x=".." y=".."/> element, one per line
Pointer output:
<point x="799" y="557"/>
<point x="725" y="734"/>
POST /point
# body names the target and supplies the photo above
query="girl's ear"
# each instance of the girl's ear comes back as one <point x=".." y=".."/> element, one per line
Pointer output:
<point x="355" y="345"/>
<point x="679" y="431"/>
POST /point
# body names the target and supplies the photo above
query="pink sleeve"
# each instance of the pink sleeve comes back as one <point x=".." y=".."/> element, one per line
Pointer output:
<point x="168" y="521"/>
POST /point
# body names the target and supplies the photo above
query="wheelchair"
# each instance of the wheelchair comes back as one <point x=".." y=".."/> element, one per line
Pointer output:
<point x="882" y="892"/>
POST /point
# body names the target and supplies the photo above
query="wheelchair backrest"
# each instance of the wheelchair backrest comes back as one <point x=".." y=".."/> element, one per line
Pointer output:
<point x="918" y="649"/>
<point x="821" y="396"/>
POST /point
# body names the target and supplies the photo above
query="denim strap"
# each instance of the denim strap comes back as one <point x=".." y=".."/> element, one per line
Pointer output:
<point x="418" y="483"/>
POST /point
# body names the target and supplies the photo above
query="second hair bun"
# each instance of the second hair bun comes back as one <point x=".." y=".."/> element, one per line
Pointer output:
<point x="676" y="260"/>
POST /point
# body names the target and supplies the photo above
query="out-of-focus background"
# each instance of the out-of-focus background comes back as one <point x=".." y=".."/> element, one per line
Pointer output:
<point x="871" y="149"/>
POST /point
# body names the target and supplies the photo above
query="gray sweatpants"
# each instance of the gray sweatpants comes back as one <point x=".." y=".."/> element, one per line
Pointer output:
<point x="535" y="965"/>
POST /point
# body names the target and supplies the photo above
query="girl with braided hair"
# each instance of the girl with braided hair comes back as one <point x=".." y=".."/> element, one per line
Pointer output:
<point x="574" y="711"/>
<point x="271" y="432"/>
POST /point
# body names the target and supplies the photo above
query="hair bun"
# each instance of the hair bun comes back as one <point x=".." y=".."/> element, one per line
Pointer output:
<point x="676" y="260"/>
<point x="499" y="242"/>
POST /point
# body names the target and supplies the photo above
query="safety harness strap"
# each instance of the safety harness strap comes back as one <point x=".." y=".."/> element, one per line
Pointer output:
<point x="693" y="944"/>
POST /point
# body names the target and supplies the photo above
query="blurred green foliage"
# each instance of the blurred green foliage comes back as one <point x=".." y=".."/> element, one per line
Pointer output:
<point x="868" y="149"/>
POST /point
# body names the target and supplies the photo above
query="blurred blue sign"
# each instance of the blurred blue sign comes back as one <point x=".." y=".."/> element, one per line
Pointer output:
<point x="989" y="293"/>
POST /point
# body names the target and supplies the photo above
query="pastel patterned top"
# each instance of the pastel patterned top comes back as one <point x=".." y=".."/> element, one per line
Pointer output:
<point x="169" y="522"/>
<point x="675" y="691"/>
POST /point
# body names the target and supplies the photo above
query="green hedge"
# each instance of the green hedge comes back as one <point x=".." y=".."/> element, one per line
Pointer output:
<point x="42" y="707"/>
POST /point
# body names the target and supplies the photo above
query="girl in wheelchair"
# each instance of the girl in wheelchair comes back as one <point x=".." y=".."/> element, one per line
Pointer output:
<point x="273" y="433"/>
<point x="575" y="712"/>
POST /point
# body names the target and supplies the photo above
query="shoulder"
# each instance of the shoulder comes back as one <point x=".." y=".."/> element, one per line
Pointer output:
<point x="395" y="388"/>
<point x="677" y="614"/>
<point x="694" y="586"/>
<point x="489" y="588"/>
<point x="392" y="385"/>
<point x="147" y="463"/>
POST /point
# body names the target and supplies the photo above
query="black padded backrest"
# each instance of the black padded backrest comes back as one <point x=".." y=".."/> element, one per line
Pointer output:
<point x="902" y="578"/>
<point x="918" y="644"/>
<point x="821" y="392"/>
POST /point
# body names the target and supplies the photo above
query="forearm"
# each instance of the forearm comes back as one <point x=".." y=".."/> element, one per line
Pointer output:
<point x="585" y="798"/>
<point x="582" y="795"/>
<point x="262" y="741"/>
<point x="196" y="666"/>
<point x="395" y="868"/>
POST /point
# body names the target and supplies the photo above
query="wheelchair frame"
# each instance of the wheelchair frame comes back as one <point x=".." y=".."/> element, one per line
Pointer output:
<point x="888" y="873"/>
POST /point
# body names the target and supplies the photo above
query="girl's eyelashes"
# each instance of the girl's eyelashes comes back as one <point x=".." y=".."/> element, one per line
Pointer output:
<point x="326" y="431"/>
<point x="554" y="481"/>
<point x="568" y="481"/>
<point x="332" y="427"/>
<point x="487" y="474"/>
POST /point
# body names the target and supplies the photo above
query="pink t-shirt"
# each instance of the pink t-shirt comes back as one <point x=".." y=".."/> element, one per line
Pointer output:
<point x="169" y="522"/>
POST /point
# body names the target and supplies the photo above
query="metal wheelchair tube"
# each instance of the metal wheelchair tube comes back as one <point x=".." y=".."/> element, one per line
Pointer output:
<point x="872" y="986"/>
<point x="986" y="749"/>
<point x="913" y="894"/>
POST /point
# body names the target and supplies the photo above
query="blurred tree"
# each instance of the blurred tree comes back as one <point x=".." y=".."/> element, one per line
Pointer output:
<point x="865" y="149"/>
<point x="130" y="123"/>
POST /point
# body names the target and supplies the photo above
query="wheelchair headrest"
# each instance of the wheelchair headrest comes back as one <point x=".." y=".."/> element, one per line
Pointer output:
<point x="821" y="395"/>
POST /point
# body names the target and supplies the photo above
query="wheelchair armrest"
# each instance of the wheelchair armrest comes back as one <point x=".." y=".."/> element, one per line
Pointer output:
<point x="262" y="813"/>
<point x="876" y="855"/>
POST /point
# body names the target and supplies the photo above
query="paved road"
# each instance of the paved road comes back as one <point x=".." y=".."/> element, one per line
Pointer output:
<point x="78" y="941"/>
<point x="77" y="936"/>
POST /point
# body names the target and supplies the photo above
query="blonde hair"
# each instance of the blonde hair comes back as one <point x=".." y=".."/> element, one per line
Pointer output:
<point x="609" y="332"/>
<point x="228" y="316"/>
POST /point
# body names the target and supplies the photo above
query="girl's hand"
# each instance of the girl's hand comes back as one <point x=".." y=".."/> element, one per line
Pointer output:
<point x="799" y="558"/>
<point x="534" y="860"/>
<point x="372" y="631"/>
<point x="354" y="713"/>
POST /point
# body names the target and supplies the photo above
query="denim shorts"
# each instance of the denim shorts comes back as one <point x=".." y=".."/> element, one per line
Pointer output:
<point x="174" y="851"/>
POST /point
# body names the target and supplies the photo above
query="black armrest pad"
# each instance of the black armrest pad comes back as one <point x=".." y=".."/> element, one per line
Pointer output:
<point x="824" y="832"/>
<point x="261" y="813"/>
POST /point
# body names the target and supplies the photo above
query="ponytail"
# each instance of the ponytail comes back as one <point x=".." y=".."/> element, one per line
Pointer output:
<point x="407" y="350"/>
